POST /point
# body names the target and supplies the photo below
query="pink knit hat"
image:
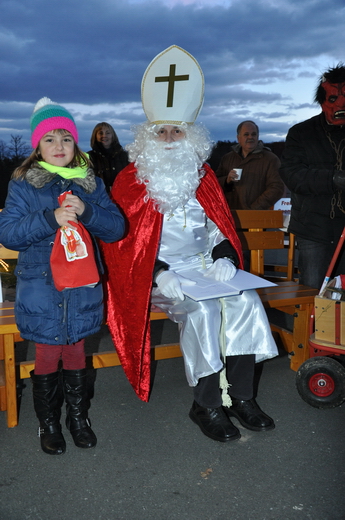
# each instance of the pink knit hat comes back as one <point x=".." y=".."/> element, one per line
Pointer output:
<point x="48" y="116"/>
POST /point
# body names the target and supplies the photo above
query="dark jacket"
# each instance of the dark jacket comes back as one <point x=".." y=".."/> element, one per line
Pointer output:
<point x="308" y="165"/>
<point x="107" y="163"/>
<point x="28" y="225"/>
<point x="260" y="186"/>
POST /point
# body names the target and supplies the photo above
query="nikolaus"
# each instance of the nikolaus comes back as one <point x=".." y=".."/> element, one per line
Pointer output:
<point x="178" y="219"/>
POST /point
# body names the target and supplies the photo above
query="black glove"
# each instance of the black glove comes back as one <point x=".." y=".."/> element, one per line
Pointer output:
<point x="339" y="179"/>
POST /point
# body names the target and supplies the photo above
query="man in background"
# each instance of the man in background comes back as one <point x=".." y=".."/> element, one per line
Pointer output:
<point x="260" y="185"/>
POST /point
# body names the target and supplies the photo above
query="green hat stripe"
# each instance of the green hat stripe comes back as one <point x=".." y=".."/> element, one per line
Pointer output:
<point x="45" y="113"/>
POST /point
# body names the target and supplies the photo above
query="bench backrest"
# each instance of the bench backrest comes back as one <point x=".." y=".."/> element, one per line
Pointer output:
<point x="258" y="230"/>
<point x="261" y="230"/>
<point x="7" y="254"/>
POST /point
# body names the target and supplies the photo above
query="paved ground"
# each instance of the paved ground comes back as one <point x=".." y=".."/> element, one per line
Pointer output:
<point x="153" y="463"/>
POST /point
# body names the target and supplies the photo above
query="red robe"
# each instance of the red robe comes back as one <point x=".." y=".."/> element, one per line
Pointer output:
<point x="130" y="263"/>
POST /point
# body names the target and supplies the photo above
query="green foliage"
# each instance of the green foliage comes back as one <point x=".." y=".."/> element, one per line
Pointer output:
<point x="11" y="156"/>
<point x="8" y="278"/>
<point x="220" y="149"/>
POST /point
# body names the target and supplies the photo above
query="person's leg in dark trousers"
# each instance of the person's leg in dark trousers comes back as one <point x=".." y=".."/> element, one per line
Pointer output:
<point x="240" y="375"/>
<point x="207" y="392"/>
<point x="314" y="259"/>
<point x="207" y="411"/>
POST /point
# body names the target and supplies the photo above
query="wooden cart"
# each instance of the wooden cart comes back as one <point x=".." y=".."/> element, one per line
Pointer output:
<point x="320" y="380"/>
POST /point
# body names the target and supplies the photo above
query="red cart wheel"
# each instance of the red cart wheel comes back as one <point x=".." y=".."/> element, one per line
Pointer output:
<point x="320" y="382"/>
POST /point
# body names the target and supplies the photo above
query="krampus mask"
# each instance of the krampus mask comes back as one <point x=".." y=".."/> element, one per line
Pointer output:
<point x="330" y="94"/>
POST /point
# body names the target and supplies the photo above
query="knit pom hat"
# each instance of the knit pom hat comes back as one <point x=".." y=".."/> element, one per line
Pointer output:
<point x="48" y="116"/>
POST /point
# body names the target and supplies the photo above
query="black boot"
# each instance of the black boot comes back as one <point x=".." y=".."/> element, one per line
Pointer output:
<point x="47" y="403"/>
<point x="77" y="405"/>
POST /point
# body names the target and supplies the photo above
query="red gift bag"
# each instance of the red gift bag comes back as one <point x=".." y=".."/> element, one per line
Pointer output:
<point x="72" y="260"/>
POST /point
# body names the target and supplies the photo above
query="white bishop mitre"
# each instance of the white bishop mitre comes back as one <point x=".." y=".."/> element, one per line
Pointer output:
<point x="172" y="88"/>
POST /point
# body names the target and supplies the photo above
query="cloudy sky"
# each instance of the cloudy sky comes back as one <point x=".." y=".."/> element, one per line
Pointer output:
<point x="261" y="59"/>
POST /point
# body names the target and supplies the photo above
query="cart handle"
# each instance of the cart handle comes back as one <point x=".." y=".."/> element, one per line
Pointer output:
<point x="334" y="259"/>
<point x="312" y="322"/>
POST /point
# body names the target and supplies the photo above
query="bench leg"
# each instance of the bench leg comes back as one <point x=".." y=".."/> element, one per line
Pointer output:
<point x="301" y="335"/>
<point x="10" y="378"/>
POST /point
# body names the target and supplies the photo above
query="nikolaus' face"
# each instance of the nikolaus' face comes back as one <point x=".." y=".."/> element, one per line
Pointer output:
<point x="169" y="134"/>
<point x="334" y="104"/>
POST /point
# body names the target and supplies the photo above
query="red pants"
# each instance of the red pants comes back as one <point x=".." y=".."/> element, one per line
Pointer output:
<point x="48" y="357"/>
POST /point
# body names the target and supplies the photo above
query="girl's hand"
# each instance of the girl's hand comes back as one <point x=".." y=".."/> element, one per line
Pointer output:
<point x="74" y="203"/>
<point x="65" y="216"/>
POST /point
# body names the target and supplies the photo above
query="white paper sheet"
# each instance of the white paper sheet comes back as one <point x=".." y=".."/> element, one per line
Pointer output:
<point x="206" y="288"/>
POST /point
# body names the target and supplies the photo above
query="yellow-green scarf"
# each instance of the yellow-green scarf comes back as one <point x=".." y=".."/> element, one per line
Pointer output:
<point x="66" y="173"/>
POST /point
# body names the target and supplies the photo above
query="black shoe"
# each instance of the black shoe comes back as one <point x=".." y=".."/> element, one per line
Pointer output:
<point x="250" y="415"/>
<point x="214" y="423"/>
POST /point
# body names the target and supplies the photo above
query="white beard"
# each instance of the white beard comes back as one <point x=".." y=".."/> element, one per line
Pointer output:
<point x="171" y="174"/>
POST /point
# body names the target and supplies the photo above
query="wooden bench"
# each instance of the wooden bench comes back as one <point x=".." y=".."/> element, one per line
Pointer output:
<point x="110" y="358"/>
<point x="258" y="231"/>
<point x="8" y="336"/>
<point x="298" y="301"/>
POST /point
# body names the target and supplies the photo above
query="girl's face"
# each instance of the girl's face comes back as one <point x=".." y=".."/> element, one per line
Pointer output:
<point x="57" y="148"/>
<point x="104" y="136"/>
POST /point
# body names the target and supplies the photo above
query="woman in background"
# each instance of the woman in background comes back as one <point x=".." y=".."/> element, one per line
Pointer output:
<point x="107" y="155"/>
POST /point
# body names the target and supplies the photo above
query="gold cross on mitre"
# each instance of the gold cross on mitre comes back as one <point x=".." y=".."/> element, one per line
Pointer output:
<point x="171" y="82"/>
<point x="172" y="88"/>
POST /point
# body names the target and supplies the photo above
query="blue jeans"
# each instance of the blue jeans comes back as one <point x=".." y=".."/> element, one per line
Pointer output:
<point x="314" y="259"/>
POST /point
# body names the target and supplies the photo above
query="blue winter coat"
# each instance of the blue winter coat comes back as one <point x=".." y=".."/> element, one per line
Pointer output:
<point x="28" y="225"/>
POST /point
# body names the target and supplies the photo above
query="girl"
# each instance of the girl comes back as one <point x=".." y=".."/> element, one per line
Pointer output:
<point x="56" y="321"/>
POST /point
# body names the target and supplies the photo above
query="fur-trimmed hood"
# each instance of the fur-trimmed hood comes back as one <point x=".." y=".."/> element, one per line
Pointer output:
<point x="39" y="177"/>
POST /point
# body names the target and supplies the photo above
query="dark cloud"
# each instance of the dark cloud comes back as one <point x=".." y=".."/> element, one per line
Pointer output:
<point x="92" y="53"/>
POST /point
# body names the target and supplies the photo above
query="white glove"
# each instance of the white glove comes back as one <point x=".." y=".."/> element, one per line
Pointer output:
<point x="221" y="270"/>
<point x="169" y="284"/>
